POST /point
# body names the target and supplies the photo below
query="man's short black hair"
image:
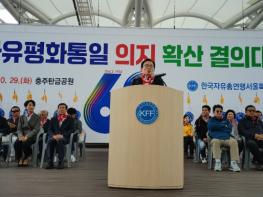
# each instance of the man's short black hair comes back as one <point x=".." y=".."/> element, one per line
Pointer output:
<point x="249" y="106"/>
<point x="230" y="110"/>
<point x="207" y="107"/>
<point x="29" y="101"/>
<point x="217" y="106"/>
<point x="146" y="60"/>
<point x="258" y="111"/>
<point x="71" y="111"/>
<point x="186" y="116"/>
<point x="15" y="107"/>
<point x="63" y="104"/>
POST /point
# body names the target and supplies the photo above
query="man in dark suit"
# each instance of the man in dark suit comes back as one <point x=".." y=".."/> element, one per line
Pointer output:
<point x="59" y="131"/>
<point x="147" y="75"/>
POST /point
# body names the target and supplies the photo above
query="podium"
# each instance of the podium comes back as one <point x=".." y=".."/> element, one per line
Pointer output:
<point x="142" y="154"/>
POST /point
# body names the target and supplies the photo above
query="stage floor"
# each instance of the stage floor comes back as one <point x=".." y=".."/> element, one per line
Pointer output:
<point x="89" y="178"/>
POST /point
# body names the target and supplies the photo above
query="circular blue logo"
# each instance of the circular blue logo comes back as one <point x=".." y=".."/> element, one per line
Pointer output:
<point x="192" y="85"/>
<point x="147" y="112"/>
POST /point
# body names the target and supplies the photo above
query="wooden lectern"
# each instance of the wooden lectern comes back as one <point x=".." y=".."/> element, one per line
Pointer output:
<point x="147" y="156"/>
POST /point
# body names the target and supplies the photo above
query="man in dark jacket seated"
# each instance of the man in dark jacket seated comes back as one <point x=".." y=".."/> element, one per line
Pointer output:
<point x="59" y="131"/>
<point x="252" y="129"/>
<point x="147" y="75"/>
<point x="4" y="131"/>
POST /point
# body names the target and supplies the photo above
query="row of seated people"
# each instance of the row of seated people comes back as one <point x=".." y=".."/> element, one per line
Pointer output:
<point x="27" y="126"/>
<point x="225" y="131"/>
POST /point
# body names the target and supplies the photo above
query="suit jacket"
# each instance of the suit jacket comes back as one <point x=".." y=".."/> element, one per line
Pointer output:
<point x="29" y="127"/>
<point x="77" y="126"/>
<point x="46" y="126"/>
<point x="4" y="128"/>
<point x="11" y="120"/>
<point x="156" y="81"/>
<point x="65" y="129"/>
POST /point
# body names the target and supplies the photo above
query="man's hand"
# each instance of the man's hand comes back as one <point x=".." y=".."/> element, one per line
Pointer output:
<point x="60" y="136"/>
<point x="57" y="137"/>
<point x="11" y="125"/>
<point x="22" y="138"/>
<point x="259" y="136"/>
<point x="25" y="138"/>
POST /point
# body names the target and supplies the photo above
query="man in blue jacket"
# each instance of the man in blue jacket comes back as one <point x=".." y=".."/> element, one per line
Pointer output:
<point x="219" y="131"/>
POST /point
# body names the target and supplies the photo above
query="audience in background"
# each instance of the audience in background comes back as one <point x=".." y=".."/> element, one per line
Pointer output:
<point x="201" y="131"/>
<point x="231" y="117"/>
<point x="251" y="127"/>
<point x="4" y="132"/>
<point x="28" y="127"/>
<point x="188" y="137"/>
<point x="72" y="113"/>
<point x="220" y="133"/>
<point x="60" y="129"/>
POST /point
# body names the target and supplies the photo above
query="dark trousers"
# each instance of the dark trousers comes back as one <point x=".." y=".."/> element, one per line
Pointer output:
<point x="75" y="140"/>
<point x="188" y="142"/>
<point x="23" y="149"/>
<point x="240" y="146"/>
<point x="254" y="146"/>
<point x="53" y="144"/>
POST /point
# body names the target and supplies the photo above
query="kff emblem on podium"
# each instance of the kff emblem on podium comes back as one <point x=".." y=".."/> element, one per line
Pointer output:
<point x="147" y="112"/>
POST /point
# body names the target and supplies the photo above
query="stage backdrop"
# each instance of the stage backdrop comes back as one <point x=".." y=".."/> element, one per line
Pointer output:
<point x="80" y="66"/>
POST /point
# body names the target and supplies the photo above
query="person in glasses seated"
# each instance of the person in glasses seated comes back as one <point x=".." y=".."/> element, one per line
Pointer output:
<point x="219" y="130"/>
<point x="251" y="127"/>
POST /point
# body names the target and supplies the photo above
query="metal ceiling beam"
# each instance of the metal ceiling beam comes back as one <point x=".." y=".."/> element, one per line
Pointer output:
<point x="250" y="10"/>
<point x="127" y="12"/>
<point x="33" y="10"/>
<point x="138" y="12"/>
<point x="11" y="9"/>
<point x="70" y="14"/>
<point x="147" y="10"/>
<point x="84" y="11"/>
<point x="26" y="6"/>
<point x="256" y="21"/>
<point x="188" y="14"/>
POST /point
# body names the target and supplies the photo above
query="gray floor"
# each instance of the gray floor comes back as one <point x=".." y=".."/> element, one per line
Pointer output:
<point x="89" y="178"/>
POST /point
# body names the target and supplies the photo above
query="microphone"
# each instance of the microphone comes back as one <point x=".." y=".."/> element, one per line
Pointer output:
<point x="160" y="75"/>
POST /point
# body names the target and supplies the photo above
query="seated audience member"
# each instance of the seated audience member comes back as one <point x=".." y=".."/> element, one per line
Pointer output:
<point x="188" y="137"/>
<point x="201" y="131"/>
<point x="4" y="131"/>
<point x="252" y="129"/>
<point x="27" y="129"/>
<point x="13" y="120"/>
<point x="231" y="116"/>
<point x="59" y="131"/>
<point x="44" y="123"/>
<point x="258" y="115"/>
<point x="219" y="130"/>
<point x="147" y="75"/>
<point x="72" y="113"/>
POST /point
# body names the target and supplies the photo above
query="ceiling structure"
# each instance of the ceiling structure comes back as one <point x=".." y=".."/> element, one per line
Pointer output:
<point x="201" y="14"/>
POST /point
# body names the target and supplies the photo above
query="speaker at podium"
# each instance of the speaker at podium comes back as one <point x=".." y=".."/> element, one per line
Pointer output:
<point x="146" y="138"/>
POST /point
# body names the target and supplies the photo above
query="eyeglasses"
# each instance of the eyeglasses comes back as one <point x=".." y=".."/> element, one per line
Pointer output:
<point x="251" y="110"/>
<point x="218" y="111"/>
<point x="14" y="111"/>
